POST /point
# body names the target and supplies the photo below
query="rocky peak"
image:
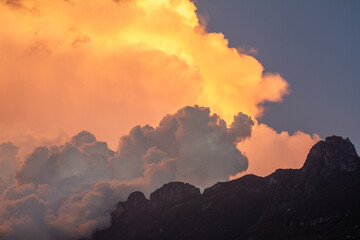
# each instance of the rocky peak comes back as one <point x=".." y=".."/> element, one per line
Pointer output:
<point x="333" y="154"/>
<point x="217" y="187"/>
<point x="135" y="205"/>
<point x="173" y="192"/>
<point x="137" y="200"/>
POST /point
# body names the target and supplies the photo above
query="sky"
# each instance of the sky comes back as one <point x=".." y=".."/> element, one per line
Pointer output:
<point x="314" y="45"/>
<point x="99" y="98"/>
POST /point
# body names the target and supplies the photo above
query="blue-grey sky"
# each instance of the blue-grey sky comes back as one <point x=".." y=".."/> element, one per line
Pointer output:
<point x="314" y="45"/>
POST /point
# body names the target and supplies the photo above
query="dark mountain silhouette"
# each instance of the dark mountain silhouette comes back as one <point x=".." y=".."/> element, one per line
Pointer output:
<point x="319" y="201"/>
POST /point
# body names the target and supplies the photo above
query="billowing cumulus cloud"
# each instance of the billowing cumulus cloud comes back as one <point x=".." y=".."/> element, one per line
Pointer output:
<point x="198" y="141"/>
<point x="107" y="65"/>
<point x="67" y="191"/>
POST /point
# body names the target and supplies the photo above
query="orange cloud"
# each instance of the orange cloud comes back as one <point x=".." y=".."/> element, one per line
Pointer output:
<point x="269" y="150"/>
<point x="106" y="65"/>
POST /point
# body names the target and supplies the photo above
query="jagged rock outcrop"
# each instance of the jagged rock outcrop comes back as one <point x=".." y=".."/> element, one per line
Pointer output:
<point x="169" y="194"/>
<point x="173" y="192"/>
<point x="333" y="154"/>
<point x="319" y="201"/>
<point x="135" y="205"/>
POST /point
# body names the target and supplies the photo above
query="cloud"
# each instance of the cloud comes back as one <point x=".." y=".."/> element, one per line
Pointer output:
<point x="8" y="159"/>
<point x="106" y="66"/>
<point x="9" y="162"/>
<point x="27" y="140"/>
<point x="24" y="218"/>
<point x="269" y="150"/>
<point x="247" y="50"/>
<point x="13" y="3"/>
<point x="86" y="211"/>
<point x="80" y="64"/>
<point x="82" y="160"/>
<point x="67" y="191"/>
<point x="82" y="138"/>
<point x="202" y="145"/>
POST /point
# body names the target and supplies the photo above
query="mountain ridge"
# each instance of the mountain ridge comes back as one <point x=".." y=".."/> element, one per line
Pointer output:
<point x="318" y="201"/>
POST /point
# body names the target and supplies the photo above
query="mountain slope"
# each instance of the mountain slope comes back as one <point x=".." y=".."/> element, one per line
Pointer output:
<point x="319" y="201"/>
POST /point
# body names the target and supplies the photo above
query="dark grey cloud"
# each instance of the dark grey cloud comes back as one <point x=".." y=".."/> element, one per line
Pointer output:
<point x="203" y="146"/>
<point x="67" y="191"/>
<point x="14" y="3"/>
<point x="9" y="162"/>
